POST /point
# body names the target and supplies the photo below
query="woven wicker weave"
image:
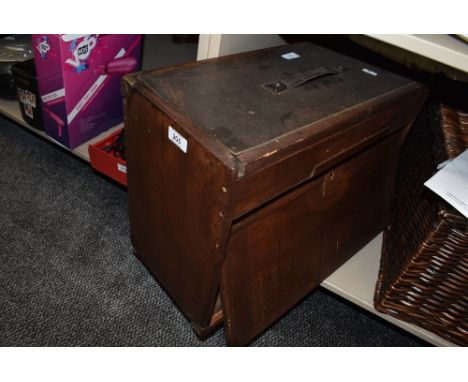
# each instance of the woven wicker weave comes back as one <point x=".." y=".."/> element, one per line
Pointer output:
<point x="423" y="276"/>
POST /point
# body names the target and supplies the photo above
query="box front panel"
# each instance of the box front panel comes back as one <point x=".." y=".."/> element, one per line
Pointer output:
<point x="280" y="252"/>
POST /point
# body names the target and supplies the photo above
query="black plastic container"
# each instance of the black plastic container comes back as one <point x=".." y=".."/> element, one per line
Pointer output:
<point x="24" y="74"/>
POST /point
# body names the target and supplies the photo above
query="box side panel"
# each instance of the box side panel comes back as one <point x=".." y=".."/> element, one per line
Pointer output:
<point x="279" y="253"/>
<point x="48" y="58"/>
<point x="178" y="204"/>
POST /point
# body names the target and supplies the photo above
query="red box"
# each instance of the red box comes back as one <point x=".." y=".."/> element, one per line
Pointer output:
<point x="105" y="162"/>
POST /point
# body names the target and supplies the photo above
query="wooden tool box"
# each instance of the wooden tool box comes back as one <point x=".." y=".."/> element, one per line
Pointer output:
<point x="252" y="177"/>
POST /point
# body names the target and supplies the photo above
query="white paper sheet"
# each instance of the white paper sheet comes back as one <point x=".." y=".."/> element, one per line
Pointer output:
<point x="451" y="183"/>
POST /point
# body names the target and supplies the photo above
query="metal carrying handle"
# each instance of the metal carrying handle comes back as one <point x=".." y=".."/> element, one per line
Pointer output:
<point x="298" y="79"/>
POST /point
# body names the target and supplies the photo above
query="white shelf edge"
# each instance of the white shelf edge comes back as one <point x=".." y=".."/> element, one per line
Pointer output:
<point x="441" y="48"/>
<point x="11" y="109"/>
<point x="355" y="281"/>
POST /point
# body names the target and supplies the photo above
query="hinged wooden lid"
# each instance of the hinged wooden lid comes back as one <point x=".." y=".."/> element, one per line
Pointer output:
<point x="247" y="100"/>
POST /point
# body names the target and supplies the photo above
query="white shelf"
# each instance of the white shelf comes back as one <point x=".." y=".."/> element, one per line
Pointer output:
<point x="355" y="281"/>
<point x="442" y="48"/>
<point x="11" y="109"/>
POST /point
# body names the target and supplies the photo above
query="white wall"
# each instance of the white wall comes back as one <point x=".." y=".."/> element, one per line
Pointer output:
<point x="214" y="45"/>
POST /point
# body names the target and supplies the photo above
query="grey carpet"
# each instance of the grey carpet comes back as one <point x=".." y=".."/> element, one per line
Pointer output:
<point x="69" y="277"/>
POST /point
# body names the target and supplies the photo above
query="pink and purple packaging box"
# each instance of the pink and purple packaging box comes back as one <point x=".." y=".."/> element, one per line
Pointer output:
<point x="79" y="82"/>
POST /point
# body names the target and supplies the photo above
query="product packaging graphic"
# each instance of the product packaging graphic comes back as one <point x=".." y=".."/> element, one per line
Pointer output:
<point x="79" y="82"/>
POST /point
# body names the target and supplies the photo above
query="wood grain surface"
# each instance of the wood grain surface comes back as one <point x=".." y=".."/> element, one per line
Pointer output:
<point x="260" y="208"/>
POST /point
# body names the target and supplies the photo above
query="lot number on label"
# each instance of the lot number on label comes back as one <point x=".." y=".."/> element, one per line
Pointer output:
<point x="177" y="139"/>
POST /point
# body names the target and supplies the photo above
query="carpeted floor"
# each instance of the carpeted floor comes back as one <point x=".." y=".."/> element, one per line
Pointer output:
<point x="68" y="275"/>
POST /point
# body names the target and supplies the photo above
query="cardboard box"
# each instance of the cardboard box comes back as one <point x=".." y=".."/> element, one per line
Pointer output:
<point x="79" y="82"/>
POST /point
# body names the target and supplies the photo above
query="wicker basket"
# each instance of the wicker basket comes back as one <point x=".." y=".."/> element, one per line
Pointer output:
<point x="423" y="276"/>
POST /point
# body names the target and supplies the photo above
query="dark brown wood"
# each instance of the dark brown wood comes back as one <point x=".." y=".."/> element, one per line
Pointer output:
<point x="309" y="157"/>
<point x="215" y="322"/>
<point x="178" y="215"/>
<point x="249" y="115"/>
<point x="279" y="253"/>
<point x="264" y="203"/>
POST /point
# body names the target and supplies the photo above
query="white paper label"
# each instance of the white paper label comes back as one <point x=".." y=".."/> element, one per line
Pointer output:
<point x="451" y="183"/>
<point x="54" y="95"/>
<point x="371" y="72"/>
<point x="177" y="139"/>
<point x="122" y="168"/>
<point x="290" y="56"/>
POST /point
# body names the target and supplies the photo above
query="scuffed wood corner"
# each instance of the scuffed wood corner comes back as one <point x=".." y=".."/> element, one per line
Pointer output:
<point x="127" y="85"/>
